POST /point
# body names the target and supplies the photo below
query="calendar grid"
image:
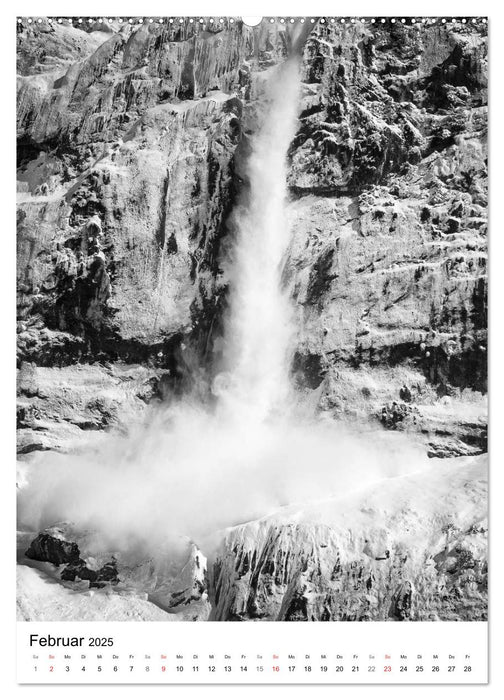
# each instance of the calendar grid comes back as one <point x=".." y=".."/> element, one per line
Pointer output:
<point x="311" y="653"/>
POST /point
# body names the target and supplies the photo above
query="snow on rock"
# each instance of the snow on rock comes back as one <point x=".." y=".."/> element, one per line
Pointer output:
<point x="174" y="578"/>
<point x="406" y="548"/>
<point x="412" y="548"/>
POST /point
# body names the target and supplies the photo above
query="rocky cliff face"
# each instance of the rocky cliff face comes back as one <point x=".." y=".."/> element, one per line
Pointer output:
<point x="128" y="140"/>
<point x="132" y="141"/>
<point x="388" y="261"/>
<point x="125" y="187"/>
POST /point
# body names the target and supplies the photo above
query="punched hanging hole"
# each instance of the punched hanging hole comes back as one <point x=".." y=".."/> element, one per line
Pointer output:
<point x="251" y="21"/>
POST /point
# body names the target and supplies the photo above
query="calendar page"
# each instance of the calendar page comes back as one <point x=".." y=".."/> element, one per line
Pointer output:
<point x="252" y="349"/>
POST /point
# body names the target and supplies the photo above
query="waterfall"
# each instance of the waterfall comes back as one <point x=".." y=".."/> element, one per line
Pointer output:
<point x="194" y="468"/>
<point x="260" y="326"/>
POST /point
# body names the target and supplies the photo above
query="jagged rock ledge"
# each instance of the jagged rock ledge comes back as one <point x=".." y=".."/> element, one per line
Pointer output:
<point x="411" y="548"/>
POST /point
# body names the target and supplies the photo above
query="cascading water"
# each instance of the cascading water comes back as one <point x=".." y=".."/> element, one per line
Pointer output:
<point x="260" y="328"/>
<point x="195" y="469"/>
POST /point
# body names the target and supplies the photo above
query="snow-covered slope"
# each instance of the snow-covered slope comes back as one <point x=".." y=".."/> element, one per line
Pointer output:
<point x="40" y="599"/>
<point x="413" y="547"/>
<point x="407" y="548"/>
<point x="66" y="574"/>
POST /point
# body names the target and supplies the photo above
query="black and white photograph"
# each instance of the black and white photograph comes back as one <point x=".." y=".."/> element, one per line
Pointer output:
<point x="252" y="319"/>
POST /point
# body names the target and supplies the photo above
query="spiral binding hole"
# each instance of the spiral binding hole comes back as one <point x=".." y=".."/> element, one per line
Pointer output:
<point x="204" y="21"/>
